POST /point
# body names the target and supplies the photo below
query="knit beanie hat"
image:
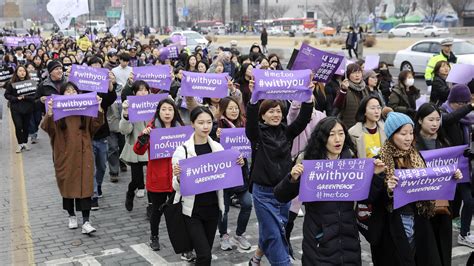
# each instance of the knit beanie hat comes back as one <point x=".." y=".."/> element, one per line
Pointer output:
<point x="53" y="64"/>
<point x="395" y="121"/>
<point x="459" y="93"/>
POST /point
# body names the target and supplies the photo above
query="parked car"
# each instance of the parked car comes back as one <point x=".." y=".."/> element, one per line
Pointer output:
<point x="406" y="30"/>
<point x="193" y="38"/>
<point x="274" y="32"/>
<point x="328" y="31"/>
<point x="416" y="57"/>
<point x="434" y="31"/>
<point x="219" y="30"/>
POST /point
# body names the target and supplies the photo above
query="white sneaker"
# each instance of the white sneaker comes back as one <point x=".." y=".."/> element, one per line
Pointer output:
<point x="241" y="242"/>
<point x="19" y="148"/>
<point x="87" y="228"/>
<point x="26" y="147"/>
<point x="466" y="240"/>
<point x="300" y="213"/>
<point x="225" y="242"/>
<point x="140" y="193"/>
<point x="72" y="222"/>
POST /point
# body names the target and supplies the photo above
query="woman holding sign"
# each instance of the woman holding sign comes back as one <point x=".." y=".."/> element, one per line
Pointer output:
<point x="21" y="100"/>
<point x="202" y="211"/>
<point x="407" y="236"/>
<point x="330" y="234"/>
<point x="131" y="131"/>
<point x="271" y="141"/>
<point x="71" y="140"/>
<point x="159" y="175"/>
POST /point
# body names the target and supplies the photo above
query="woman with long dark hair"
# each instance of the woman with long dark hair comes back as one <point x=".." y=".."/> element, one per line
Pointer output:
<point x="159" y="172"/>
<point x="404" y="94"/>
<point x="439" y="87"/>
<point x="327" y="224"/>
<point x="74" y="170"/>
<point x="191" y="64"/>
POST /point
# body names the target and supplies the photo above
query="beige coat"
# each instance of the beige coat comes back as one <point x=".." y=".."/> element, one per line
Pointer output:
<point x="357" y="136"/>
<point x="72" y="154"/>
<point x="131" y="131"/>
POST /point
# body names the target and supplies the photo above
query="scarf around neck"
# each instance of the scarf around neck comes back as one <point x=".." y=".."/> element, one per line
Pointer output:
<point x="357" y="86"/>
<point x="389" y="154"/>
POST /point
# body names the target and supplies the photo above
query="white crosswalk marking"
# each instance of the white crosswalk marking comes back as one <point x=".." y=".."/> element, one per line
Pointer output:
<point x="85" y="259"/>
<point x="151" y="256"/>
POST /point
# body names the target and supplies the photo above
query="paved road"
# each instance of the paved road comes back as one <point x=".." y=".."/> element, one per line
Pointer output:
<point x="33" y="227"/>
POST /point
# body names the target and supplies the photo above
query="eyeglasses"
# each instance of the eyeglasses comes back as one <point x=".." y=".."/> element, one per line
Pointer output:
<point x="374" y="108"/>
<point x="233" y="108"/>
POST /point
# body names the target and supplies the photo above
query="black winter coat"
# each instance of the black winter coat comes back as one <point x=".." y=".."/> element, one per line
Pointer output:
<point x="451" y="125"/>
<point x="439" y="91"/>
<point x="47" y="88"/>
<point x="271" y="145"/>
<point x="24" y="106"/>
<point x="330" y="233"/>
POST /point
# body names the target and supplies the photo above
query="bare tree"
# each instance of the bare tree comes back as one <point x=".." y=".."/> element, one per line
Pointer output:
<point x="402" y="8"/>
<point x="212" y="9"/>
<point x="195" y="13"/>
<point x="432" y="8"/>
<point x="459" y="6"/>
<point x="277" y="11"/>
<point x="371" y="5"/>
<point x="353" y="9"/>
<point x="331" y="13"/>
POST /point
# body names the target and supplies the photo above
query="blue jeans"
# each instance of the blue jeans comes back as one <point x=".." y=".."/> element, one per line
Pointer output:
<point x="244" y="214"/>
<point x="100" y="161"/>
<point x="272" y="217"/>
<point x="409" y="226"/>
<point x="34" y="123"/>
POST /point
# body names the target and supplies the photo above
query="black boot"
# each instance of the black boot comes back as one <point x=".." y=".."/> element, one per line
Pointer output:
<point x="129" y="201"/>
<point x="148" y="211"/>
<point x="155" y="243"/>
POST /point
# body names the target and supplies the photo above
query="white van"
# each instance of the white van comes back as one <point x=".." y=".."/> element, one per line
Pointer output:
<point x="100" y="25"/>
<point x="218" y="30"/>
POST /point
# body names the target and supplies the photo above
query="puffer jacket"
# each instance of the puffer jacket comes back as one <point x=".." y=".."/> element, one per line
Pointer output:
<point x="330" y="233"/>
<point x="403" y="100"/>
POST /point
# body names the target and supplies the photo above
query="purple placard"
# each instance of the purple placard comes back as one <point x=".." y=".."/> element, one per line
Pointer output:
<point x="371" y="62"/>
<point x="85" y="104"/>
<point x="179" y="39"/>
<point x="169" y="52"/>
<point x="204" y="85"/>
<point x="235" y="138"/>
<point x="461" y="73"/>
<point x="34" y="39"/>
<point x="11" y="41"/>
<point x="435" y="183"/>
<point x="336" y="180"/>
<point x="156" y="76"/>
<point x="90" y="78"/>
<point x="26" y="87"/>
<point x="143" y="108"/>
<point x="322" y="63"/>
<point x="449" y="156"/>
<point x="282" y="85"/>
<point x="210" y="172"/>
<point x="164" y="141"/>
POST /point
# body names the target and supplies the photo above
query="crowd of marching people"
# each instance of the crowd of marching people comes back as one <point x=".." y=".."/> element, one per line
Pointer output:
<point x="358" y="114"/>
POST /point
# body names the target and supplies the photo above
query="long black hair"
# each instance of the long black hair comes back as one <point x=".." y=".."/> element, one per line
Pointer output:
<point x="62" y="121"/>
<point x="425" y="110"/>
<point x="176" y="117"/>
<point x="316" y="148"/>
<point x="360" y="114"/>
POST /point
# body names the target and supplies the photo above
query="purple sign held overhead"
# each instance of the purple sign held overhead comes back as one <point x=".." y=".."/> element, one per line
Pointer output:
<point x="371" y="62"/>
<point x="435" y="183"/>
<point x="169" y="52"/>
<point x="204" y="85"/>
<point x="282" y="85"/>
<point x="164" y="141"/>
<point x="210" y="172"/>
<point x="461" y="73"/>
<point x="179" y="39"/>
<point x="142" y="108"/>
<point x="90" y="78"/>
<point x="85" y="104"/>
<point x="322" y="63"/>
<point x="336" y="180"/>
<point x="235" y="138"/>
<point x="156" y="76"/>
<point x="449" y="156"/>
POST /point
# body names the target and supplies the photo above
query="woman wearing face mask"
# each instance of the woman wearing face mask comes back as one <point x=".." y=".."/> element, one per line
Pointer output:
<point x="330" y="234"/>
<point x="159" y="172"/>
<point x="439" y="87"/>
<point x="74" y="171"/>
<point x="429" y="137"/>
<point x="231" y="116"/>
<point x="408" y="238"/>
<point x="21" y="106"/>
<point x="201" y="211"/>
<point x="404" y="94"/>
<point x="385" y="80"/>
<point x="131" y="131"/>
<point x="349" y="96"/>
<point x="271" y="141"/>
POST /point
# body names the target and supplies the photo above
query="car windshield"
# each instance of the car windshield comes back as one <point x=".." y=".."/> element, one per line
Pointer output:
<point x="460" y="48"/>
<point x="192" y="35"/>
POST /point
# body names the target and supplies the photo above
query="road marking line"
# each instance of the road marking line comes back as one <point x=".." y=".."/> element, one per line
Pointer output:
<point x="151" y="256"/>
<point x="21" y="238"/>
<point x="460" y="251"/>
<point x="85" y="259"/>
